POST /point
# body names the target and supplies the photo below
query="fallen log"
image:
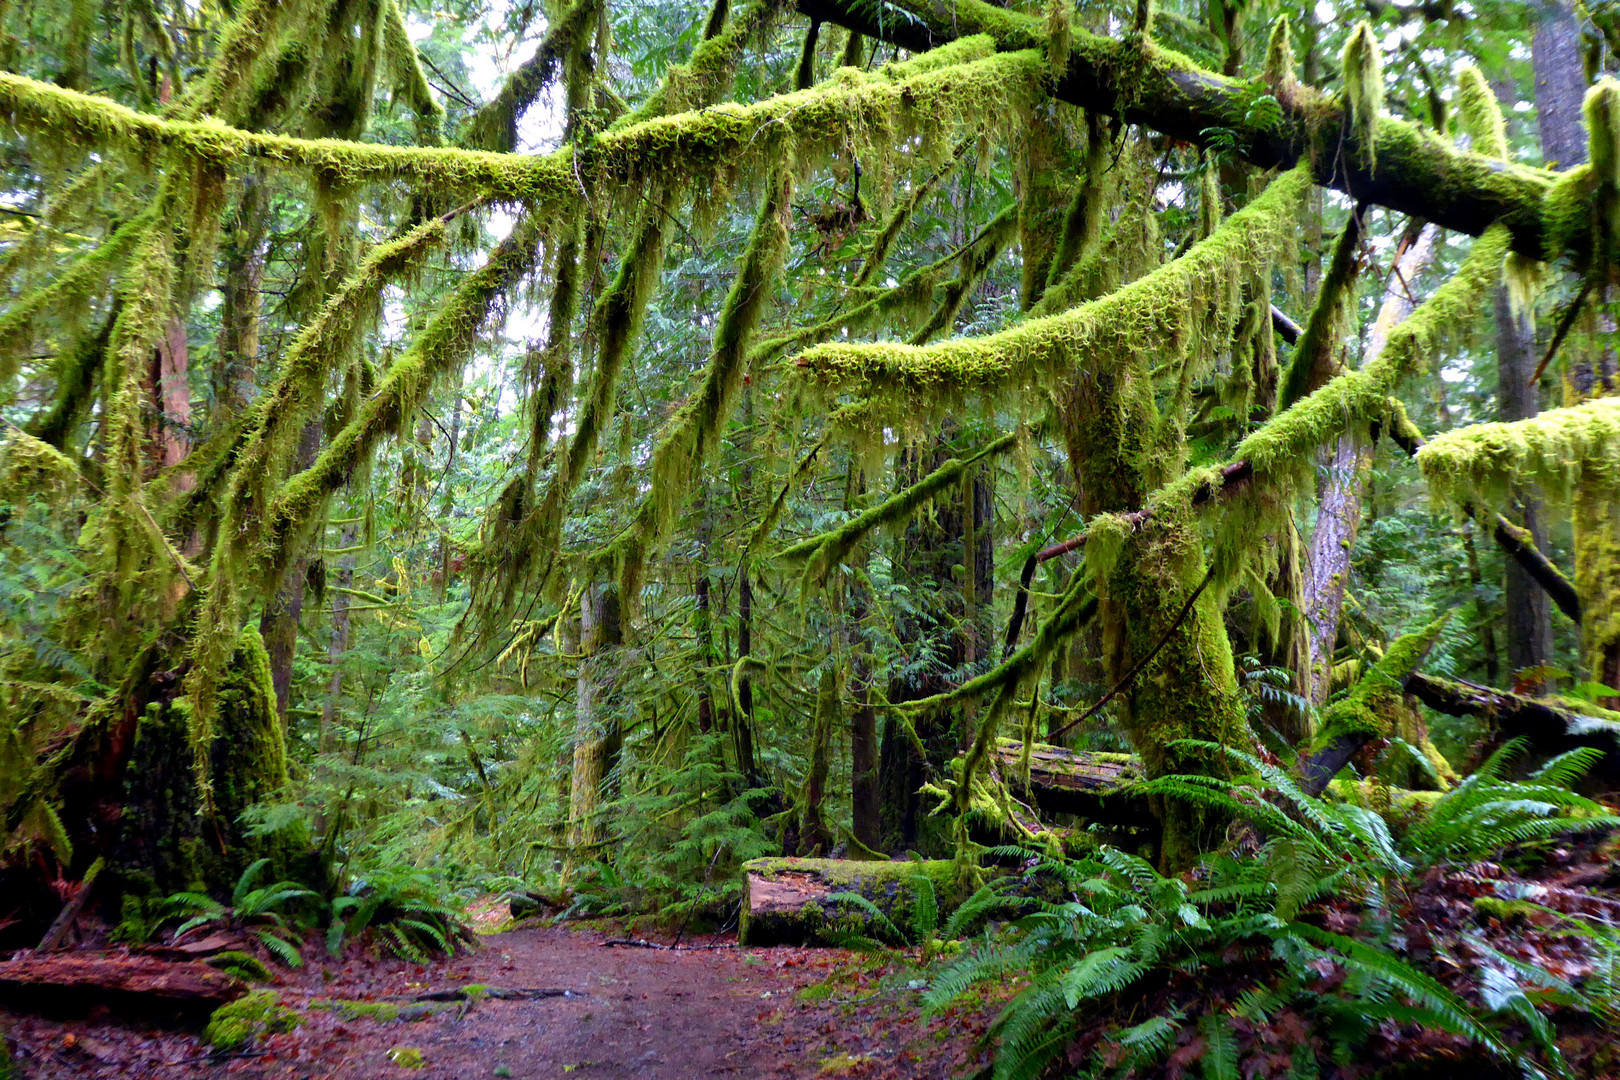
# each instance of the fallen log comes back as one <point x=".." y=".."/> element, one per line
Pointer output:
<point x="1088" y="784"/>
<point x="807" y="901"/>
<point x="145" y="983"/>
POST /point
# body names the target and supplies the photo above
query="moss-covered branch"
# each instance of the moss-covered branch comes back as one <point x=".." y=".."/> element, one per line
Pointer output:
<point x="1560" y="450"/>
<point x="1162" y="312"/>
<point x="1416" y="171"/>
<point x="820" y="554"/>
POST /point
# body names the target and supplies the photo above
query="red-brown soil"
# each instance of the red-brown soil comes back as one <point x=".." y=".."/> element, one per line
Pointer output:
<point x="642" y="1013"/>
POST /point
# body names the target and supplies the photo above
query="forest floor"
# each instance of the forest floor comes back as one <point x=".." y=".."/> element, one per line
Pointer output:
<point x="628" y="1012"/>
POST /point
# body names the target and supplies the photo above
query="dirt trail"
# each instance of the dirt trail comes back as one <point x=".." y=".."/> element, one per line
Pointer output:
<point x="630" y="1013"/>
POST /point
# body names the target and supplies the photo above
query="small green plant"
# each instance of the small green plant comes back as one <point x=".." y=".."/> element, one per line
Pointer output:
<point x="252" y="911"/>
<point x="409" y="911"/>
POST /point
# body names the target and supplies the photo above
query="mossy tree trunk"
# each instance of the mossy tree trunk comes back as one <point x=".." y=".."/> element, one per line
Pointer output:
<point x="163" y="843"/>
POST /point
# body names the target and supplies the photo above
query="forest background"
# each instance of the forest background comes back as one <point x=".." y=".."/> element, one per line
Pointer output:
<point x="446" y="436"/>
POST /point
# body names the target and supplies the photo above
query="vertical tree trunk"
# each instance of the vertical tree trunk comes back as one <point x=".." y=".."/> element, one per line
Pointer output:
<point x="1338" y="516"/>
<point x="279" y="622"/>
<point x="338" y="644"/>
<point x="596" y="731"/>
<point x="937" y="641"/>
<point x="1528" y="608"/>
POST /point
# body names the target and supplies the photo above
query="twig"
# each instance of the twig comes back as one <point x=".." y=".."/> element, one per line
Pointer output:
<point x="1562" y="331"/>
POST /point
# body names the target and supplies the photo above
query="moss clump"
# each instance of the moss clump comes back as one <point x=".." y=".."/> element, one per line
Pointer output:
<point x="1368" y="709"/>
<point x="1480" y="114"/>
<point x="238" y="1023"/>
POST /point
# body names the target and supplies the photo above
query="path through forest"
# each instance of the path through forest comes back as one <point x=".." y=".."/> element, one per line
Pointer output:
<point x="628" y="1012"/>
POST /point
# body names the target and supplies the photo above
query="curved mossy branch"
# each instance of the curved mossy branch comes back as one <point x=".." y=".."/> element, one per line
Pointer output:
<point x="248" y="566"/>
<point x="75" y="384"/>
<point x="493" y="125"/>
<point x="974" y="264"/>
<point x="1313" y="361"/>
<point x="263" y="451"/>
<point x="67" y="290"/>
<point x="696" y="428"/>
<point x="1279" y="454"/>
<point x="1075" y="608"/>
<point x="820" y="554"/>
<point x="1417" y="172"/>
<point x="1155" y="313"/>
<point x="1565" y="452"/>
<point x="1364" y="713"/>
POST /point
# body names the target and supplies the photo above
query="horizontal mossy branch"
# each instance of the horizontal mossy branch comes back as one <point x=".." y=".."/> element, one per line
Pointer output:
<point x="1416" y="171"/>
<point x="708" y="148"/>
<point x="1153" y="313"/>
<point x="1561" y="450"/>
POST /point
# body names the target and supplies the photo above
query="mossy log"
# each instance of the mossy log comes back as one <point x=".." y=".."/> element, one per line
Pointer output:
<point x="795" y="901"/>
<point x="75" y="980"/>
<point x="1092" y="785"/>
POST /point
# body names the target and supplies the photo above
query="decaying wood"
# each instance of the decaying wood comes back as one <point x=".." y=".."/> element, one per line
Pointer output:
<point x="795" y="901"/>
<point x="1095" y="786"/>
<point x="70" y="910"/>
<point x="77" y="978"/>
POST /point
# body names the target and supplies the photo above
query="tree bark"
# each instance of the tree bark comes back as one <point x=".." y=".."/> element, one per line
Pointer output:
<point x="1339" y="509"/>
<point x="790" y="900"/>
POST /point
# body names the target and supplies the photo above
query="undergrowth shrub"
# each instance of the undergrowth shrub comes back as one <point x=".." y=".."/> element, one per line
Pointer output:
<point x="1322" y="937"/>
<point x="411" y="913"/>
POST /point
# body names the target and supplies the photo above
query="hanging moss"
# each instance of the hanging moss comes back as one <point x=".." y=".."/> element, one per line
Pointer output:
<point x="1279" y="72"/>
<point x="877" y="252"/>
<point x="410" y="80"/>
<point x="1363" y="68"/>
<point x="694" y="432"/>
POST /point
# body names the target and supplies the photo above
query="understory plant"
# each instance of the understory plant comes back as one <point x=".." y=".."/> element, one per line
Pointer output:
<point x="1322" y="936"/>
<point x="409" y="912"/>
<point x="255" y="912"/>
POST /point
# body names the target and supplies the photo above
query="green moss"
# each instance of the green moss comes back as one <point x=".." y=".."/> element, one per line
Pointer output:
<point x="1151" y="315"/>
<point x="1568" y="452"/>
<point x="259" y="1013"/>
<point x="1480" y="113"/>
<point x="384" y="1012"/>
<point x="1314" y="360"/>
<point x="1363" y="69"/>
